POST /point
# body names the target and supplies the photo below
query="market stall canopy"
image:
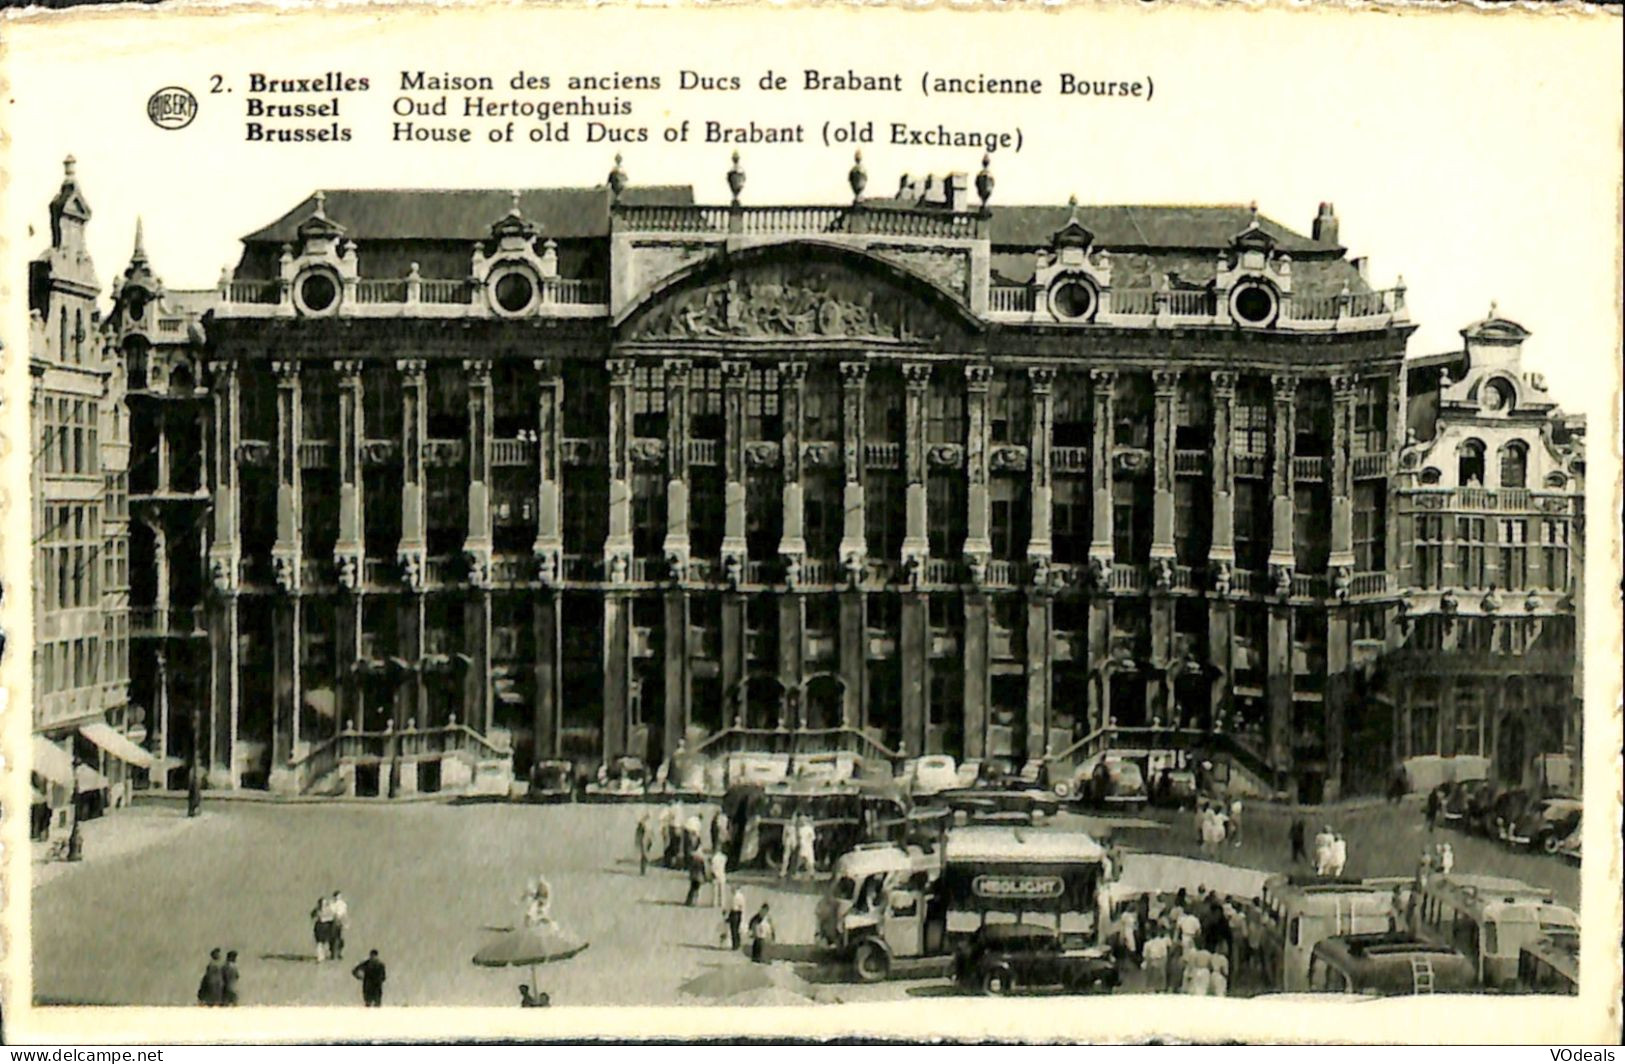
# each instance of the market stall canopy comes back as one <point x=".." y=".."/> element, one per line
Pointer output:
<point x="120" y="747"/>
<point x="52" y="762"/>
<point x="90" y="779"/>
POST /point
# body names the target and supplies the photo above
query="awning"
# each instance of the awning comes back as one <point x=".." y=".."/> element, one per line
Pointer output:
<point x="111" y="741"/>
<point x="91" y="780"/>
<point x="52" y="762"/>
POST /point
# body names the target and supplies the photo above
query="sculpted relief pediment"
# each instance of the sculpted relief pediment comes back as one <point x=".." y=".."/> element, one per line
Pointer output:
<point x="794" y="300"/>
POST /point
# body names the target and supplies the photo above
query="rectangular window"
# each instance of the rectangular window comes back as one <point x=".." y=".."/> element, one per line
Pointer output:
<point x="1312" y="418"/>
<point x="1071" y="425"/>
<point x="585" y="401"/>
<point x="764" y="513"/>
<point x="883" y="415"/>
<point x="1252" y="525"/>
<point x="1312" y="528"/>
<point x="1131" y="520"/>
<point x="1132" y="411"/>
<point x="1250" y="428"/>
<point x="1193" y="510"/>
<point x="1010" y="518"/>
<point x="885" y="516"/>
<point x="649" y="402"/>
<point x="1193" y="417"/>
<point x="1513" y="538"/>
<point x="1370" y="516"/>
<point x="945" y="407"/>
<point x="1430" y="545"/>
<point x="822" y="515"/>
<point x="947" y="516"/>
<point x="1008" y="407"/>
<point x="1069" y="530"/>
<point x="1554" y="554"/>
<point x="822" y="399"/>
<point x="707" y="511"/>
<point x="705" y="418"/>
<point x="1470" y="551"/>
<point x="762" y="420"/>
<point x="648" y="514"/>
<point x="1371" y="416"/>
<point x="1469" y="714"/>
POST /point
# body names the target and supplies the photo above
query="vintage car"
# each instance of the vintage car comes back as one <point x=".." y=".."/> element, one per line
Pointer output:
<point x="1545" y="823"/>
<point x="994" y="793"/>
<point x="1174" y="788"/>
<point x="930" y="774"/>
<point x="1504" y="811"/>
<point x="1568" y="847"/>
<point x="551" y="780"/>
<point x="1009" y="958"/>
<point x="1466" y="800"/>
<point x="624" y="777"/>
<point x="1110" y="781"/>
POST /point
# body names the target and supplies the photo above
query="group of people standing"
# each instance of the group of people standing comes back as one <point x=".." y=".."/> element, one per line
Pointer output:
<point x="331" y="917"/>
<point x="219" y="985"/>
<point x="673" y="840"/>
<point x="800" y="857"/>
<point x="1331" y="849"/>
<point x="1191" y="943"/>
<point x="1216" y="824"/>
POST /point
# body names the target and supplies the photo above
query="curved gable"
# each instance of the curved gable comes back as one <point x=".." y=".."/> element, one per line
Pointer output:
<point x="802" y="290"/>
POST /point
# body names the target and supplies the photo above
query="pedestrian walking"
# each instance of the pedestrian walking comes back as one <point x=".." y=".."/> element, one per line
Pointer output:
<point x="1235" y="822"/>
<point x="761" y="933"/>
<point x="640" y="839"/>
<point x="341" y="921"/>
<point x="1339" y="855"/>
<point x="806" y="848"/>
<point x="1129" y="922"/>
<point x="1398" y="785"/>
<point x="736" y="916"/>
<point x="668" y="834"/>
<point x="1432" y="809"/>
<point x="1295" y="836"/>
<point x="696" y="877"/>
<point x="788" y="842"/>
<point x="211" y="990"/>
<point x="719" y="877"/>
<point x="1447" y="858"/>
<point x="228" y="979"/>
<point x="1323" y="851"/>
<point x="371" y="973"/>
<point x="1154" y="962"/>
<point x="322" y="922"/>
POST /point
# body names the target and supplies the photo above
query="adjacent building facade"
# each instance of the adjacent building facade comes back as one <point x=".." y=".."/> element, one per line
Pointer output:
<point x="448" y="482"/>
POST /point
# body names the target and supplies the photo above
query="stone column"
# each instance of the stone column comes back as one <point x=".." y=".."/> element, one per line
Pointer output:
<point x="225" y="552"/>
<point x="413" y="548"/>
<point x="618" y="544"/>
<point x="1281" y="562"/>
<point x="348" y="551"/>
<point x="792" y="545"/>
<point x="854" y="639"/>
<point x="1166" y="385"/>
<point x="914" y="652"/>
<point x="1341" y="565"/>
<point x="977" y="679"/>
<point x="1336" y="703"/>
<point x="978" y="544"/>
<point x="1223" y="549"/>
<point x="1101" y="382"/>
<point x="1041" y="382"/>
<point x="285" y="554"/>
<point x="617" y="672"/>
<point x="223" y="691"/>
<point x="677" y="670"/>
<point x="477" y="543"/>
<point x="735" y="375"/>
<point x="792" y="646"/>
<point x="676" y="547"/>
<point x="916" y="541"/>
<point x="549" y="546"/>
<point x="1341" y="561"/>
<point x="1039" y="601"/>
<point x="1279" y="688"/>
<point x="854" y="545"/>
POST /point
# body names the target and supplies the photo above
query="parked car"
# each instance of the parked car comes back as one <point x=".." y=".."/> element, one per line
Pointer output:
<point x="1173" y="788"/>
<point x="1111" y="781"/>
<point x="930" y="774"/>
<point x="551" y="781"/>
<point x="1568" y="847"/>
<point x="622" y="777"/>
<point x="1504" y="811"/>
<point x="1008" y="958"/>
<point x="993" y="793"/>
<point x="1459" y="799"/>
<point x="1545" y="823"/>
<point x="1475" y="805"/>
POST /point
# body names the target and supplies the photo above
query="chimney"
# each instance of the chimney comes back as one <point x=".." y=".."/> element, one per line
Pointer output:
<point x="1325" y="227"/>
<point x="956" y="192"/>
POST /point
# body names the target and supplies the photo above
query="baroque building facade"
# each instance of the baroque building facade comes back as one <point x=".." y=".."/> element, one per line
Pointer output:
<point x="597" y="472"/>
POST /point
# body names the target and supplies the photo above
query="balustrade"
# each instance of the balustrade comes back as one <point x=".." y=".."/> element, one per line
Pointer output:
<point x="513" y="452"/>
<point x="1190" y="462"/>
<point x="1012" y="299"/>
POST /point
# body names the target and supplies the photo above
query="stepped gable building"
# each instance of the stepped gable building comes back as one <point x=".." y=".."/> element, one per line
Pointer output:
<point x="85" y="737"/>
<point x="601" y="472"/>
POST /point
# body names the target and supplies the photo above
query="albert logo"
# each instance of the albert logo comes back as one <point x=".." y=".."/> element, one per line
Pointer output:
<point x="172" y="108"/>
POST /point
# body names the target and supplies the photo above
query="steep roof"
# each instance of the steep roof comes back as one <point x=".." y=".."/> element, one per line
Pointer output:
<point x="464" y="214"/>
<point x="1147" y="226"/>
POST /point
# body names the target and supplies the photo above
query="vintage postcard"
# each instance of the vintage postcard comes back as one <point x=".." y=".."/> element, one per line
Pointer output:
<point x="1074" y="524"/>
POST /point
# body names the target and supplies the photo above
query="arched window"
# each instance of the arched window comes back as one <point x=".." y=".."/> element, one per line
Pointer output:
<point x="1514" y="465"/>
<point x="1470" y="464"/>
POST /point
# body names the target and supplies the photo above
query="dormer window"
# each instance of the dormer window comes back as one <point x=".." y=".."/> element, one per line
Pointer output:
<point x="513" y="291"/>
<point x="1254" y="303"/>
<point x="1073" y="299"/>
<point x="317" y="292"/>
<point x="1497" y="398"/>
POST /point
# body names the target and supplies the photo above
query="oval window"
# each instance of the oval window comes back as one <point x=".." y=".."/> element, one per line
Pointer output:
<point x="1073" y="300"/>
<point x="318" y="292"/>
<point x="1253" y="304"/>
<point x="514" y="292"/>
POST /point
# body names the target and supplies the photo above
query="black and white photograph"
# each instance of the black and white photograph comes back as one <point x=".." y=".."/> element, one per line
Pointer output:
<point x="980" y="539"/>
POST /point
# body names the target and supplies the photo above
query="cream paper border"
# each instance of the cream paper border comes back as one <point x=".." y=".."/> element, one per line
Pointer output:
<point x="88" y="71"/>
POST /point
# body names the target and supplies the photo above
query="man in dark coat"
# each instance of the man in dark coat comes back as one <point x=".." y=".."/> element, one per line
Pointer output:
<point x="212" y="990"/>
<point x="1433" y="809"/>
<point x="696" y="876"/>
<point x="228" y="980"/>
<point x="371" y="974"/>
<point x="1295" y="836"/>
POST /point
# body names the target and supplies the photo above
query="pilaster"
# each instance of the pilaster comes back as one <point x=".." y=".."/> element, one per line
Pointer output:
<point x="285" y="553"/>
<point x="854" y="544"/>
<point x="348" y="551"/>
<point x="1223" y="549"/>
<point x="792" y="384"/>
<point x="1041" y="383"/>
<point x="549" y="546"/>
<point x="978" y="544"/>
<point x="225" y="551"/>
<point x="1284" y="389"/>
<point x="413" y="548"/>
<point x="676" y="544"/>
<point x="618" y="543"/>
<point x="916" y="541"/>
<point x="1342" y="474"/>
<point x="1101" y="382"/>
<point x="735" y="375"/>
<point x="477" y="543"/>
<point x="1166" y="386"/>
